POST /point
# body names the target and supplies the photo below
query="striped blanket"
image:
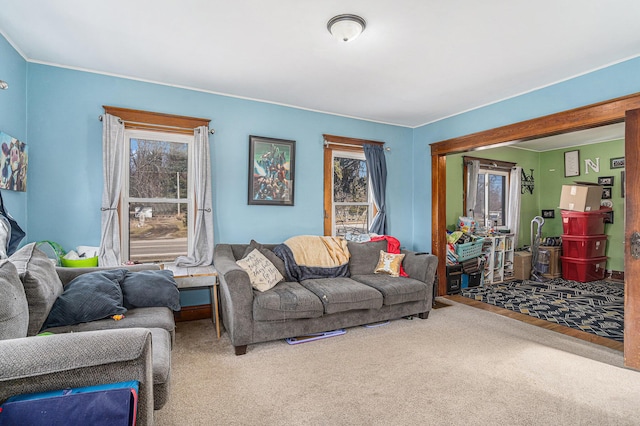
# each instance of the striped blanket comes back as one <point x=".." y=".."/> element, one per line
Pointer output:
<point x="312" y="256"/>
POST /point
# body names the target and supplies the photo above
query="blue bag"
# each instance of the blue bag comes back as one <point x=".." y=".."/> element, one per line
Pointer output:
<point x="103" y="405"/>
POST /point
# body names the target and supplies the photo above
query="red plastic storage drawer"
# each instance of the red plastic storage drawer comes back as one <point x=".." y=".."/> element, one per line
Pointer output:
<point x="583" y="270"/>
<point x="584" y="246"/>
<point x="583" y="223"/>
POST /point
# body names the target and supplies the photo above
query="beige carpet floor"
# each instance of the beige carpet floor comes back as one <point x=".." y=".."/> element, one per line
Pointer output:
<point x="462" y="366"/>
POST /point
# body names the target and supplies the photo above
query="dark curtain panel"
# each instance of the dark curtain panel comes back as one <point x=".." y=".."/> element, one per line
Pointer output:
<point x="377" y="165"/>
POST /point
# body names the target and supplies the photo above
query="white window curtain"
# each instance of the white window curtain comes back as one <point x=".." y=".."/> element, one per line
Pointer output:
<point x="513" y="216"/>
<point x="112" y="167"/>
<point x="200" y="251"/>
<point x="473" y="169"/>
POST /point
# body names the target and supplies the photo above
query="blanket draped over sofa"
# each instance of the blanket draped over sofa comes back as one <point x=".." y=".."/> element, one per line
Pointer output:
<point x="312" y="256"/>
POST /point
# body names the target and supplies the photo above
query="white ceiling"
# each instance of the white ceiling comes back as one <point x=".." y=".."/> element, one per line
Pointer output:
<point x="417" y="61"/>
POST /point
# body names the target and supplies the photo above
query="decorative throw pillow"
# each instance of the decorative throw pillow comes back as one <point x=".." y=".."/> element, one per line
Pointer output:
<point x="269" y="254"/>
<point x="142" y="289"/>
<point x="14" y="311"/>
<point x="389" y="264"/>
<point x="262" y="274"/>
<point x="41" y="282"/>
<point x="89" y="297"/>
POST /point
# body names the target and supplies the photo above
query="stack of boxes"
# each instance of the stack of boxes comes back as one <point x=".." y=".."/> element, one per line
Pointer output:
<point x="584" y="242"/>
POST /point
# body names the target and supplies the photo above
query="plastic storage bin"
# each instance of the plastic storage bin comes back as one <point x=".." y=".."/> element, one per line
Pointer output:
<point x="584" y="246"/>
<point x="469" y="250"/>
<point x="583" y="223"/>
<point x="583" y="270"/>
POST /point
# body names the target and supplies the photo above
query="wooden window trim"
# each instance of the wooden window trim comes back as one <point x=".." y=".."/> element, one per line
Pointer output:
<point x="156" y="121"/>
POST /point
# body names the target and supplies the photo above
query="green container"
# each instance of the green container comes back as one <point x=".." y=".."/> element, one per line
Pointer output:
<point x="80" y="263"/>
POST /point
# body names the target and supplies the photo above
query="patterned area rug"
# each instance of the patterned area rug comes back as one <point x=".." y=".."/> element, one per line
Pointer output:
<point x="596" y="307"/>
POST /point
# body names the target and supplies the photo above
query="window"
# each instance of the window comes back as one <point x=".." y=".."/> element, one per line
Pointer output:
<point x="492" y="192"/>
<point x="491" y="198"/>
<point x="352" y="205"/>
<point x="157" y="195"/>
<point x="348" y="201"/>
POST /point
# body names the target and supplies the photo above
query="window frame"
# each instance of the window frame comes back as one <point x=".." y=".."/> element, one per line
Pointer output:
<point x="126" y="200"/>
<point x="341" y="144"/>
<point x="488" y="166"/>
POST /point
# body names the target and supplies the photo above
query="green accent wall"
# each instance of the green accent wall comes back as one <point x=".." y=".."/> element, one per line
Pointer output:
<point x="548" y="173"/>
<point x="529" y="207"/>
<point x="552" y="178"/>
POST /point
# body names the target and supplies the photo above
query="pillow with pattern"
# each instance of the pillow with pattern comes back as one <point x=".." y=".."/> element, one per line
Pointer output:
<point x="262" y="273"/>
<point x="389" y="264"/>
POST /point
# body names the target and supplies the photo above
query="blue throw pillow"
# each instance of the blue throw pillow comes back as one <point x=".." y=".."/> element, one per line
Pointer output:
<point x="88" y="297"/>
<point x="141" y="289"/>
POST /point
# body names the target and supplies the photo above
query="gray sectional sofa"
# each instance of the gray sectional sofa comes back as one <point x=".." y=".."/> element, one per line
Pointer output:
<point x="316" y="305"/>
<point x="137" y="347"/>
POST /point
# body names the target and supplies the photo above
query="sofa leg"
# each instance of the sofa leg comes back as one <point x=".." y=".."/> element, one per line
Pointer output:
<point x="423" y="315"/>
<point x="241" y="350"/>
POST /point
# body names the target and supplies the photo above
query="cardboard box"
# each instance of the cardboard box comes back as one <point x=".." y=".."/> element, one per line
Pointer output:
<point x="522" y="265"/>
<point x="581" y="197"/>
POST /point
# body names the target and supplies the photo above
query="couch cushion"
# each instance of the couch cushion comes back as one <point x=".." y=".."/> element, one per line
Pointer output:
<point x="142" y="289"/>
<point x="42" y="285"/>
<point x="342" y="294"/>
<point x="14" y="310"/>
<point x="364" y="256"/>
<point x="286" y="300"/>
<point x="395" y="289"/>
<point x="138" y="317"/>
<point x="89" y="297"/>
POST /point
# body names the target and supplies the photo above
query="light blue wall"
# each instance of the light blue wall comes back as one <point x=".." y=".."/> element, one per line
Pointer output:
<point x="65" y="171"/>
<point x="13" y="119"/>
<point x="611" y="82"/>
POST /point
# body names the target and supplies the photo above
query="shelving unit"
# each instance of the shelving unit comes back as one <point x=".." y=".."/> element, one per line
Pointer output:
<point x="498" y="251"/>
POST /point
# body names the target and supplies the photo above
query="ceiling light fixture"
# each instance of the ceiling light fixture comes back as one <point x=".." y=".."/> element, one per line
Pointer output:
<point x="346" y="27"/>
<point x="4" y="85"/>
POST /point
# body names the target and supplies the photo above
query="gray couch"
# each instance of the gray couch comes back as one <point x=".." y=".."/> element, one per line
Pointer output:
<point x="138" y="347"/>
<point x="296" y="308"/>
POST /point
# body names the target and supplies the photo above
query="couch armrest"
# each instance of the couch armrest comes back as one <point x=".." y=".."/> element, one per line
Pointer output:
<point x="420" y="266"/>
<point x="60" y="361"/>
<point x="236" y="296"/>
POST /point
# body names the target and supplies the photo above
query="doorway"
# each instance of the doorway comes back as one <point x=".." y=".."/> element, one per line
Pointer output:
<point x="625" y="109"/>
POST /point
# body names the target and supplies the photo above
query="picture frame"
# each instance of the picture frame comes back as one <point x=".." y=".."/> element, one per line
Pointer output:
<point x="616" y="163"/>
<point x="606" y="193"/>
<point x="608" y="216"/>
<point x="548" y="214"/>
<point x="271" y="171"/>
<point x="572" y="163"/>
<point x="605" y="180"/>
<point x="14" y="159"/>
<point x="622" y="185"/>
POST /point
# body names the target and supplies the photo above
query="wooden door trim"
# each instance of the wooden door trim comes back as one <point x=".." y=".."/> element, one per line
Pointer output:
<point x="632" y="224"/>
<point x="586" y="117"/>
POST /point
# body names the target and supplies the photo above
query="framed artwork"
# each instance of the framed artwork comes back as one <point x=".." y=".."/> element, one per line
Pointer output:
<point x="548" y="214"/>
<point x="606" y="193"/>
<point x="605" y="180"/>
<point x="616" y="163"/>
<point x="571" y="163"/>
<point x="13" y="161"/>
<point x="608" y="216"/>
<point x="271" y="171"/>
<point x="622" y="186"/>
